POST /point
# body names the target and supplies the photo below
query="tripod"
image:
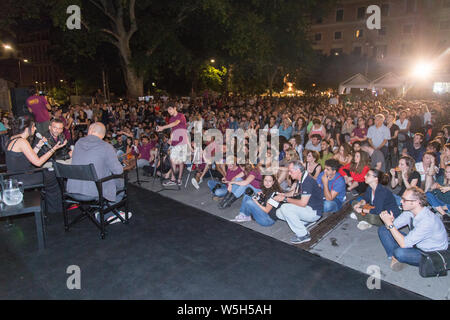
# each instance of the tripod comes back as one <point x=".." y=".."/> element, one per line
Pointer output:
<point x="159" y="160"/>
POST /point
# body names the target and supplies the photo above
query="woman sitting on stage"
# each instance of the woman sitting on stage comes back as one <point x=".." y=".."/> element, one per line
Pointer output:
<point x="21" y="157"/>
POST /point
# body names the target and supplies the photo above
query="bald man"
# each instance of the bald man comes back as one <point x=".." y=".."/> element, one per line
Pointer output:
<point x="92" y="149"/>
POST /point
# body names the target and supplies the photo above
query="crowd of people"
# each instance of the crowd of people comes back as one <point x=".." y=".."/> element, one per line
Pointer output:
<point x="391" y="156"/>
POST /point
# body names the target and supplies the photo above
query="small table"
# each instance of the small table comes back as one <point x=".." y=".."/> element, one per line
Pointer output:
<point x="31" y="204"/>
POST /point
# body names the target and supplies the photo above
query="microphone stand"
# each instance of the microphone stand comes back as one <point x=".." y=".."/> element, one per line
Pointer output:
<point x="138" y="181"/>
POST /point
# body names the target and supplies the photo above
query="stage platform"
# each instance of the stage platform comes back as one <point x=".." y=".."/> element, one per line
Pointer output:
<point x="340" y="241"/>
<point x="171" y="250"/>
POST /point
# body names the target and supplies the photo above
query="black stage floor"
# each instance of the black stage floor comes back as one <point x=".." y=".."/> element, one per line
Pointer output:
<point x="171" y="251"/>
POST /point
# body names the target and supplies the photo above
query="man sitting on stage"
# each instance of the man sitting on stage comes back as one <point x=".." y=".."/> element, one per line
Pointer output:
<point x="53" y="135"/>
<point x="92" y="149"/>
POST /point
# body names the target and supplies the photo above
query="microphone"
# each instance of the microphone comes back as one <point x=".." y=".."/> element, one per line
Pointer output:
<point x="40" y="137"/>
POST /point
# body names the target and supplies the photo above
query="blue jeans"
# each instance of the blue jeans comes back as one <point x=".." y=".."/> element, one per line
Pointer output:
<point x="238" y="191"/>
<point x="410" y="256"/>
<point x="434" y="201"/>
<point x="249" y="207"/>
<point x="398" y="199"/>
<point x="220" y="192"/>
<point x="330" y="206"/>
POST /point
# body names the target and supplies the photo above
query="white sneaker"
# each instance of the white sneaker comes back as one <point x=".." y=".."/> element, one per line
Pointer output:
<point x="241" y="218"/>
<point x="363" y="225"/>
<point x="353" y="216"/>
<point x="195" y="183"/>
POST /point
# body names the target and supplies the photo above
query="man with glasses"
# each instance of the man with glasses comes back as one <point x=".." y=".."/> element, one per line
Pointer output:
<point x="302" y="205"/>
<point x="426" y="231"/>
<point x="53" y="135"/>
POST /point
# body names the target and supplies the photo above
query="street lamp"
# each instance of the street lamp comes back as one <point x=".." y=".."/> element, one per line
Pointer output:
<point x="212" y="60"/>
<point x="7" y="47"/>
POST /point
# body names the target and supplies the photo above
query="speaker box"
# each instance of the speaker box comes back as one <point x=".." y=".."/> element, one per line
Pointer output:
<point x="19" y="97"/>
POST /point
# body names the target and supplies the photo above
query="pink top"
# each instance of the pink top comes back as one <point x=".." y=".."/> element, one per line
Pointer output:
<point x="317" y="131"/>
<point x="37" y="104"/>
<point x="179" y="132"/>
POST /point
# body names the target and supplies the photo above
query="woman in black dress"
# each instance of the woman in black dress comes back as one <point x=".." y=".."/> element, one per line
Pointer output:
<point x="20" y="156"/>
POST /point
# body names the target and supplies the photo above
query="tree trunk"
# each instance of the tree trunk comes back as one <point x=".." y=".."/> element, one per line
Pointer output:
<point x="134" y="82"/>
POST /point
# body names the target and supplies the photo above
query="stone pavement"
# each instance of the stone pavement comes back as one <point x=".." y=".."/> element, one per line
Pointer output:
<point x="344" y="244"/>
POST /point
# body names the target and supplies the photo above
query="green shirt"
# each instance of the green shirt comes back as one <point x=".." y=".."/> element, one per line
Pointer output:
<point x="322" y="160"/>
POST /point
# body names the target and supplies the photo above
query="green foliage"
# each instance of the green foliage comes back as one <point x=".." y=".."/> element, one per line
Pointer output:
<point x="212" y="78"/>
<point x="256" y="41"/>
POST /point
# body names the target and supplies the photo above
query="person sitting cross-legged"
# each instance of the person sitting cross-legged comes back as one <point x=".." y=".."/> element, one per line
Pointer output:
<point x="333" y="185"/>
<point x="376" y="199"/>
<point x="259" y="206"/>
<point x="427" y="232"/>
<point x="303" y="203"/>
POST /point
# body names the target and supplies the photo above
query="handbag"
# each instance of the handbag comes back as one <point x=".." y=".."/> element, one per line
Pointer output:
<point x="434" y="263"/>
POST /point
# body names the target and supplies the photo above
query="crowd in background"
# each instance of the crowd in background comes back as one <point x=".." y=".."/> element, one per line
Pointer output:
<point x="361" y="143"/>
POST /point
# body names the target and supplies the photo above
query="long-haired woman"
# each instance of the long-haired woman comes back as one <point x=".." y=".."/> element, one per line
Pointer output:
<point x="354" y="172"/>
<point x="258" y="206"/>
<point x="404" y="176"/>
<point x="21" y="157"/>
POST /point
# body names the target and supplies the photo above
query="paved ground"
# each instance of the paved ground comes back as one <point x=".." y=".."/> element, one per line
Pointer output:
<point x="345" y="244"/>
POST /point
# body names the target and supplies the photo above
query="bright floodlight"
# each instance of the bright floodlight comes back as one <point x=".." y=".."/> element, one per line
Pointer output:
<point x="422" y="70"/>
<point x="7" y="47"/>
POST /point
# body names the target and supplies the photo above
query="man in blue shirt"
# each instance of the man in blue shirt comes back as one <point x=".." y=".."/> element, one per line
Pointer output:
<point x="426" y="231"/>
<point x="333" y="186"/>
<point x="303" y="205"/>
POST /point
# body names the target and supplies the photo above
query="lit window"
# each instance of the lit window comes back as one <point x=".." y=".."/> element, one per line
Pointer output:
<point x="359" y="33"/>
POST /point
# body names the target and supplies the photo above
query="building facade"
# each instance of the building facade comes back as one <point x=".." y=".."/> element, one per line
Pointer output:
<point x="35" y="46"/>
<point x="410" y="30"/>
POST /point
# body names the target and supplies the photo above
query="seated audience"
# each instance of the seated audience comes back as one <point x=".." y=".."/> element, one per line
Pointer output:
<point x="376" y="156"/>
<point x="312" y="165"/>
<point x="252" y="179"/>
<point x="426" y="231"/>
<point x="303" y="204"/>
<point x="333" y="185"/>
<point x="258" y="207"/>
<point x="344" y="156"/>
<point x="354" y="172"/>
<point x="376" y="199"/>
<point x="314" y="143"/>
<point x="438" y="194"/>
<point x="404" y="176"/>
<point x="415" y="149"/>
